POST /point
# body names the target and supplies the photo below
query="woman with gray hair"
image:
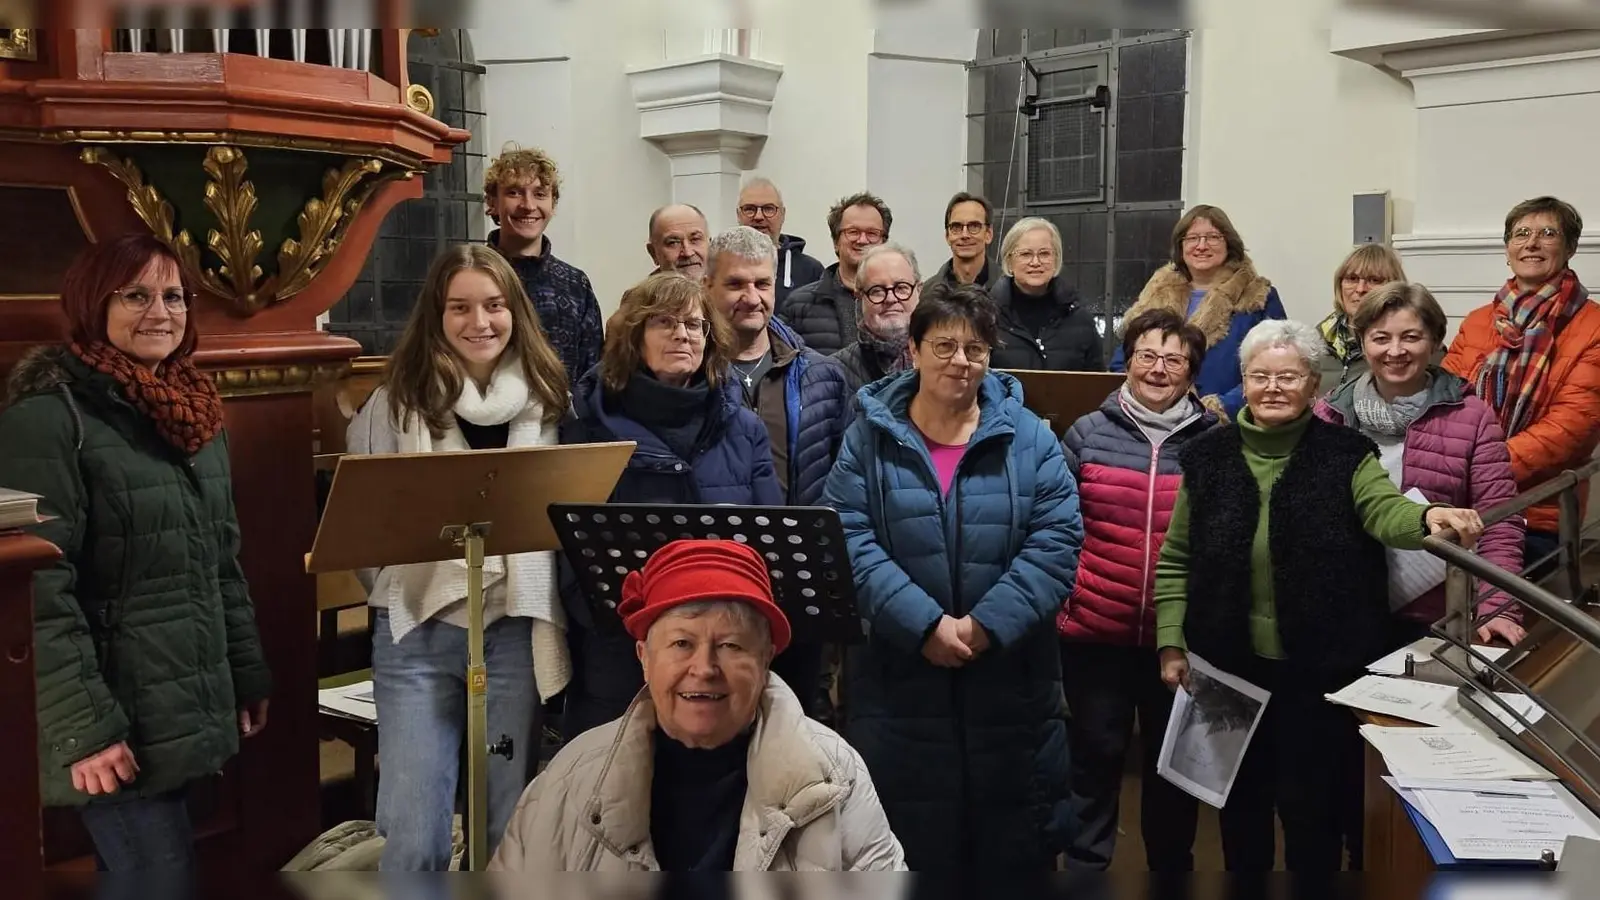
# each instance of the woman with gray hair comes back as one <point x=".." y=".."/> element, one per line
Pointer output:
<point x="1043" y="324"/>
<point x="1274" y="569"/>
<point x="714" y="767"/>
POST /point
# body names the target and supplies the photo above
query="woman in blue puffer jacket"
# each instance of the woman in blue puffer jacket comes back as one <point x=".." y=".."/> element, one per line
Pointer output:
<point x="662" y="382"/>
<point x="963" y="529"/>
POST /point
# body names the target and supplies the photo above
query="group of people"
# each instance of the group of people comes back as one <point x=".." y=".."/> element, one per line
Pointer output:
<point x="1025" y="597"/>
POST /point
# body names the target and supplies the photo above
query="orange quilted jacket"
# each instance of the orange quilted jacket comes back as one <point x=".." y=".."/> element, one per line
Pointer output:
<point x="1566" y="417"/>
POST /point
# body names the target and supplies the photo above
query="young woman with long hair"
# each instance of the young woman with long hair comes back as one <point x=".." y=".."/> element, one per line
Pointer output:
<point x="472" y="371"/>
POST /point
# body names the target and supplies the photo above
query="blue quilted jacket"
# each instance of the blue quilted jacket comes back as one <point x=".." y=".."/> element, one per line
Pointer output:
<point x="971" y="763"/>
<point x="816" y="397"/>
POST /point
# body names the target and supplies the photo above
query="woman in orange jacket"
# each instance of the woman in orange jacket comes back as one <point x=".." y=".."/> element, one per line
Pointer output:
<point x="1533" y="354"/>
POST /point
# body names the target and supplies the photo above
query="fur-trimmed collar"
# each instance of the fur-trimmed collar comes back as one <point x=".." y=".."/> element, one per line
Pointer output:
<point x="40" y="369"/>
<point x="1240" y="290"/>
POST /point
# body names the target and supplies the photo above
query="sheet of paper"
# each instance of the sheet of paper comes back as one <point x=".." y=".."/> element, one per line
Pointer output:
<point x="1580" y="859"/>
<point x="1421" y="651"/>
<point x="1450" y="753"/>
<point x="1427" y="702"/>
<point x="1477" y="825"/>
<point x="354" y="701"/>
<point x="1413" y="573"/>
<point x="1515" y="788"/>
<point x="1209" y="730"/>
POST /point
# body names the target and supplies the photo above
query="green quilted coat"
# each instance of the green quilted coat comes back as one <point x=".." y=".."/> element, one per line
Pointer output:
<point x="145" y="632"/>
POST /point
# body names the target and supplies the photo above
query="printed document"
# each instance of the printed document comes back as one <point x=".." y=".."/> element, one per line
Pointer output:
<point x="353" y="701"/>
<point x="1211" y="726"/>
<point x="1413" y="573"/>
<point x="1480" y="825"/>
<point x="1450" y="753"/>
<point x="1429" y="703"/>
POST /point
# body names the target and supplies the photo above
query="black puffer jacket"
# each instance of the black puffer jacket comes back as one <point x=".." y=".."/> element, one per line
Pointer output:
<point x="1068" y="341"/>
<point x="823" y="313"/>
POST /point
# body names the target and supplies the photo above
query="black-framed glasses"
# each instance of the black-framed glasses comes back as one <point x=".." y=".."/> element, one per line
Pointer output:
<point x="139" y="299"/>
<point x="955" y="228"/>
<point x="695" y="328"/>
<point x="879" y="294"/>
<point x="945" y="348"/>
<point x="765" y="210"/>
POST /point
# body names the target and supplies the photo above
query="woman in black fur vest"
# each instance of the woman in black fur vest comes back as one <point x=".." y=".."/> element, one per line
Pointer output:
<point x="1274" y="570"/>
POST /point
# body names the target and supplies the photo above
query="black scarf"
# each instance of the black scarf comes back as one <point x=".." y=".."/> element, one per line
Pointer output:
<point x="680" y="416"/>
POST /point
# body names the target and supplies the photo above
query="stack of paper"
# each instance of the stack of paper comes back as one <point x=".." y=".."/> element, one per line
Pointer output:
<point x="18" y="508"/>
<point x="1429" y="703"/>
<point x="1450" y="754"/>
<point x="352" y="701"/>
<point x="1501" y="820"/>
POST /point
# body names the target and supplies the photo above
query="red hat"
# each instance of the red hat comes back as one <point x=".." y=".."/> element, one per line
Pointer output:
<point x="692" y="571"/>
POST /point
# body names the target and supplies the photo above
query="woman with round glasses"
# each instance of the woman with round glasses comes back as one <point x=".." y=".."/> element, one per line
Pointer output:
<point x="1274" y="570"/>
<point x="1367" y="268"/>
<point x="963" y="531"/>
<point x="1043" y="325"/>
<point x="148" y="663"/>
<point x="1533" y="355"/>
<point x="1212" y="283"/>
<point x="662" y="382"/>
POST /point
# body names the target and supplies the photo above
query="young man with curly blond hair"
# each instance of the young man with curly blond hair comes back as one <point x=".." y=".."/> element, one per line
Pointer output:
<point x="521" y="188"/>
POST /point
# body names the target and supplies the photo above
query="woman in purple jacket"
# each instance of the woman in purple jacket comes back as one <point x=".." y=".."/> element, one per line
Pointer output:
<point x="1433" y="436"/>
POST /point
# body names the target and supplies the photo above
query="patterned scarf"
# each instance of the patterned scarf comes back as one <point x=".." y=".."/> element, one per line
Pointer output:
<point x="181" y="401"/>
<point x="1526" y="324"/>
<point x="1341" y="340"/>
<point x="893" y="351"/>
<point x="1375" y="415"/>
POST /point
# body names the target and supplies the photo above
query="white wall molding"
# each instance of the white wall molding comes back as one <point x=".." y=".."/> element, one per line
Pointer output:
<point x="707" y="114"/>
<point x="1463" y="271"/>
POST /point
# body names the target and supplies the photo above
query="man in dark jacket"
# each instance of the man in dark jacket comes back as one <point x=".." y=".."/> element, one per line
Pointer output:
<point x="520" y="190"/>
<point x="969" y="230"/>
<point x="889" y="290"/>
<point x="761" y="208"/>
<point x="802" y="397"/>
<point x="824" y="312"/>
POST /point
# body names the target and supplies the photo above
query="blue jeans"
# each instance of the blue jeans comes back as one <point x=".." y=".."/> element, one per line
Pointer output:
<point x="420" y="688"/>
<point x="151" y="835"/>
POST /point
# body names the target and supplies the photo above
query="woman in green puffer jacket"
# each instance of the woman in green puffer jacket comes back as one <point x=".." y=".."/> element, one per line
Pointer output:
<point x="148" y="662"/>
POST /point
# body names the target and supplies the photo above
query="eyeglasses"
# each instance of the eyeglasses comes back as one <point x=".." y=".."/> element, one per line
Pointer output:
<point x="1044" y="256"/>
<point x="1286" y="380"/>
<point x="878" y="294"/>
<point x="764" y="210"/>
<point x="1194" y="240"/>
<point x="945" y="348"/>
<point x="140" y="299"/>
<point x="1146" y="359"/>
<point x="1371" y="281"/>
<point x="957" y="228"/>
<point x="870" y="235"/>
<point x="697" y="329"/>
<point x="1545" y="235"/>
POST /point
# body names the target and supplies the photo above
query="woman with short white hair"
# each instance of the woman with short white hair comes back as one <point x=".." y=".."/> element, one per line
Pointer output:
<point x="1043" y="324"/>
<point x="714" y="767"/>
<point x="1274" y="569"/>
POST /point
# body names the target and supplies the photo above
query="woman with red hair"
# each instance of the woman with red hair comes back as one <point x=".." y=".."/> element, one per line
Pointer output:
<point x="148" y="663"/>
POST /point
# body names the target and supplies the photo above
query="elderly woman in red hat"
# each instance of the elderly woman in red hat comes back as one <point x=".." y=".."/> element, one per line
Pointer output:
<point x="714" y="767"/>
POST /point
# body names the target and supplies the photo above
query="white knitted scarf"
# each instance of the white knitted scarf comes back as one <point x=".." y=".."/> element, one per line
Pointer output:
<point x="419" y="591"/>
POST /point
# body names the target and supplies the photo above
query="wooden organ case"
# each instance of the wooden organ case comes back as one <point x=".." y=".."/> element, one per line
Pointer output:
<point x="267" y="159"/>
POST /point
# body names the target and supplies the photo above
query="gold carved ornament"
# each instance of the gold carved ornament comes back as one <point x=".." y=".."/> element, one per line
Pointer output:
<point x="17" y="43"/>
<point x="232" y="199"/>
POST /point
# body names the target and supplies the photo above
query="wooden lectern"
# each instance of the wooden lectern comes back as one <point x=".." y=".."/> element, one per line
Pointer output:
<point x="394" y="509"/>
<point x="1061" y="398"/>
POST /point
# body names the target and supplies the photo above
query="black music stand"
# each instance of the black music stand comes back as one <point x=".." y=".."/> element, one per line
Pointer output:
<point x="803" y="547"/>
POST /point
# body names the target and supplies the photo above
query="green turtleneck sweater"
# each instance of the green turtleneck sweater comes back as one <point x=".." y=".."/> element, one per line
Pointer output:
<point x="1386" y="514"/>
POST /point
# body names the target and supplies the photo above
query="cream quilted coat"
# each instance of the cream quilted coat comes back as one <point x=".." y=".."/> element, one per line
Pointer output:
<point x="810" y="805"/>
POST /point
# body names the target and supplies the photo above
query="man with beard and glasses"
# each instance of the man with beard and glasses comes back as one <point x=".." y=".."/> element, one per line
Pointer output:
<point x="889" y="286"/>
<point x="801" y="396"/>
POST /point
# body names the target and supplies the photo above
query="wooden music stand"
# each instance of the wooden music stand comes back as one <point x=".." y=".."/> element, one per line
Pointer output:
<point x="1061" y="398"/>
<point x="393" y="509"/>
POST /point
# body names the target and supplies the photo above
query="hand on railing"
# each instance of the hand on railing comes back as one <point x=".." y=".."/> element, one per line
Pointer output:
<point x="1466" y="523"/>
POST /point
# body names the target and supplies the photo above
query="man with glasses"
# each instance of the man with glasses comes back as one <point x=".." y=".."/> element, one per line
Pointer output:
<point x="968" y="229"/>
<point x="801" y="396"/>
<point x="761" y="207"/>
<point x="824" y="312"/>
<point x="887" y="283"/>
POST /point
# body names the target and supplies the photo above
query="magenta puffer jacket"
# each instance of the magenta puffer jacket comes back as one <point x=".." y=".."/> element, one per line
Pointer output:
<point x="1455" y="453"/>
<point x="1127" y="487"/>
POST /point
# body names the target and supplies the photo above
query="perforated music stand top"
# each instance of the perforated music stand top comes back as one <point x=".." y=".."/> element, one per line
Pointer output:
<point x="803" y="547"/>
